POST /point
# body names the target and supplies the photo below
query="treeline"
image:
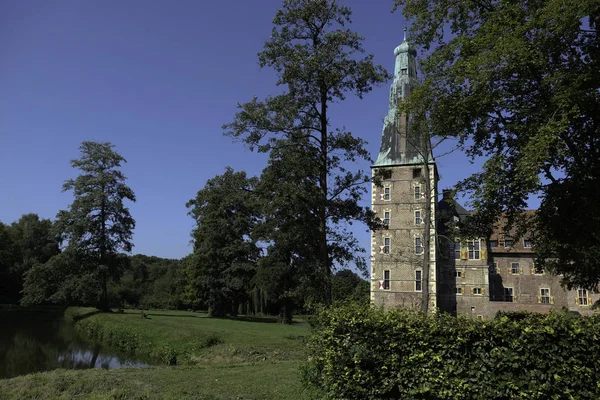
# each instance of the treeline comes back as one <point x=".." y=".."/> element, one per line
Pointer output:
<point x="144" y="281"/>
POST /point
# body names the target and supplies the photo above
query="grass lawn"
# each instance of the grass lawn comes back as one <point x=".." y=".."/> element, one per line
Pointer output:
<point x="252" y="358"/>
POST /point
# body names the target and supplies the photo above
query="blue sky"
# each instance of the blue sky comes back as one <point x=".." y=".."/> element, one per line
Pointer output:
<point x="158" y="79"/>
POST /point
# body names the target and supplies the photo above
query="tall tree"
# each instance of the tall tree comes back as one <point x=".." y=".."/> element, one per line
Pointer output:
<point x="517" y="82"/>
<point x="225" y="211"/>
<point x="97" y="226"/>
<point x="319" y="62"/>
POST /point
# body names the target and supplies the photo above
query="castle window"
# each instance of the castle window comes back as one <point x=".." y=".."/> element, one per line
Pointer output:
<point x="493" y="268"/>
<point x="473" y="249"/>
<point x="418" y="246"/>
<point x="417" y="192"/>
<point x="582" y="297"/>
<point x="457" y="250"/>
<point x="527" y="244"/>
<point x="493" y="244"/>
<point x="417" y="217"/>
<point x="515" y="269"/>
<point x="416" y="173"/>
<point x="459" y="274"/>
<point x="404" y="71"/>
<point x="459" y="290"/>
<point x="386" y="218"/>
<point x="508" y="294"/>
<point x="386" y="245"/>
<point x="386" y="280"/>
<point x="477" y="291"/>
<point x="508" y="243"/>
<point x="537" y="270"/>
<point x="544" y="296"/>
<point x="418" y="281"/>
<point x="386" y="193"/>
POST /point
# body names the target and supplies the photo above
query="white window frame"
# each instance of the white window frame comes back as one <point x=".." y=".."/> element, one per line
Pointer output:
<point x="417" y="192"/>
<point x="457" y="249"/>
<point x="458" y="290"/>
<point x="419" y="245"/>
<point x="387" y="281"/>
<point x="583" y="298"/>
<point x="387" y="242"/>
<point x="545" y="299"/>
<point x="493" y="247"/>
<point x="511" y="295"/>
<point x="459" y="274"/>
<point x="511" y="246"/>
<point x="512" y="268"/>
<point x="386" y="218"/>
<point x="476" y="254"/>
<point x="387" y="195"/>
<point x="418" y="280"/>
<point x="418" y="219"/>
<point x="477" y="291"/>
<point x="530" y="244"/>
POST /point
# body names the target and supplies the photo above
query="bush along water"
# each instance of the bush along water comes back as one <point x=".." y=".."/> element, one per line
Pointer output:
<point x="357" y="352"/>
<point x="131" y="341"/>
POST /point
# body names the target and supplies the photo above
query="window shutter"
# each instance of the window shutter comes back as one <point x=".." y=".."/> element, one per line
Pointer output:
<point x="382" y="196"/>
<point x="381" y="249"/>
<point x="539" y="299"/>
<point x="520" y="271"/>
<point x="551" y="299"/>
<point x="531" y="271"/>
<point x="515" y="299"/>
<point x="576" y="300"/>
<point x="482" y="290"/>
<point x="472" y="290"/>
<point x="483" y="254"/>
<point x="464" y="252"/>
<point x="509" y="270"/>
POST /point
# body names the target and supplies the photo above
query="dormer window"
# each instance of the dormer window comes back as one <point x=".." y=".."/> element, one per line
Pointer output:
<point x="404" y="71"/>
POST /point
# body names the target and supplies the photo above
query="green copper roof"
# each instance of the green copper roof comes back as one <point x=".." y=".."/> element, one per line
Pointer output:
<point x="396" y="148"/>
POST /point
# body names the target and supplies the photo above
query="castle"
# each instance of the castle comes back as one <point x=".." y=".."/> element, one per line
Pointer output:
<point x="439" y="270"/>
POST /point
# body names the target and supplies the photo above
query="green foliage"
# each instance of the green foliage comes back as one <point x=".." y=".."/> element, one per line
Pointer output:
<point x="23" y="244"/>
<point x="517" y="82"/>
<point x="348" y="286"/>
<point x="319" y="62"/>
<point x="364" y="353"/>
<point x="225" y="211"/>
<point x="97" y="225"/>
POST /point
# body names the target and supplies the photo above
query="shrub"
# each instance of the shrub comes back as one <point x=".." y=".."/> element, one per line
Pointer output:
<point x="357" y="352"/>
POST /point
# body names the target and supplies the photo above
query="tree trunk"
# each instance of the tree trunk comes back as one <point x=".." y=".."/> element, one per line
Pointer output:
<point x="323" y="250"/>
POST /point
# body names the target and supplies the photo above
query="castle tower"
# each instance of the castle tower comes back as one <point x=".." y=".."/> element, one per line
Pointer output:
<point x="403" y="269"/>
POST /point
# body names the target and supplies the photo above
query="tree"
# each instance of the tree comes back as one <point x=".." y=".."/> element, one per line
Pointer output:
<point x="517" y="82"/>
<point x="347" y="285"/>
<point x="225" y="211"/>
<point x="319" y="62"/>
<point x="97" y="226"/>
<point x="35" y="243"/>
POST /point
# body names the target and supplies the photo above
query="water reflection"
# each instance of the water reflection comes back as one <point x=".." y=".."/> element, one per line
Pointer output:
<point x="42" y="341"/>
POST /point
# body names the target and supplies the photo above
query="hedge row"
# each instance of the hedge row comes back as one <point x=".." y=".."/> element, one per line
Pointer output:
<point x="364" y="353"/>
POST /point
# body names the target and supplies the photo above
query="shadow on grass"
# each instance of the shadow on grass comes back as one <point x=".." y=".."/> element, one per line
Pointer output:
<point x="171" y="315"/>
<point x="251" y="318"/>
<point x="86" y="315"/>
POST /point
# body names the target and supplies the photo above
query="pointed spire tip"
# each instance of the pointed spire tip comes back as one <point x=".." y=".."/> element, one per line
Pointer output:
<point x="405" y="34"/>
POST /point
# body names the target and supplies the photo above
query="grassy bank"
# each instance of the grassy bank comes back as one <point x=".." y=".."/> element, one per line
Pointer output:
<point x="216" y="359"/>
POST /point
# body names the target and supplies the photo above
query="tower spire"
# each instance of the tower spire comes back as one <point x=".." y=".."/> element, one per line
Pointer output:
<point x="394" y="148"/>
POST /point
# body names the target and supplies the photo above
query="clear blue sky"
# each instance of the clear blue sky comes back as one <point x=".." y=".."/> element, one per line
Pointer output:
<point x="158" y="79"/>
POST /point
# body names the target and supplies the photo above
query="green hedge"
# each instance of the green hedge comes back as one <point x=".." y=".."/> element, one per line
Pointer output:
<point x="364" y="353"/>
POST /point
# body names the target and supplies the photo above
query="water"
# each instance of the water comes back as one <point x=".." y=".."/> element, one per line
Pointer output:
<point x="42" y="341"/>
